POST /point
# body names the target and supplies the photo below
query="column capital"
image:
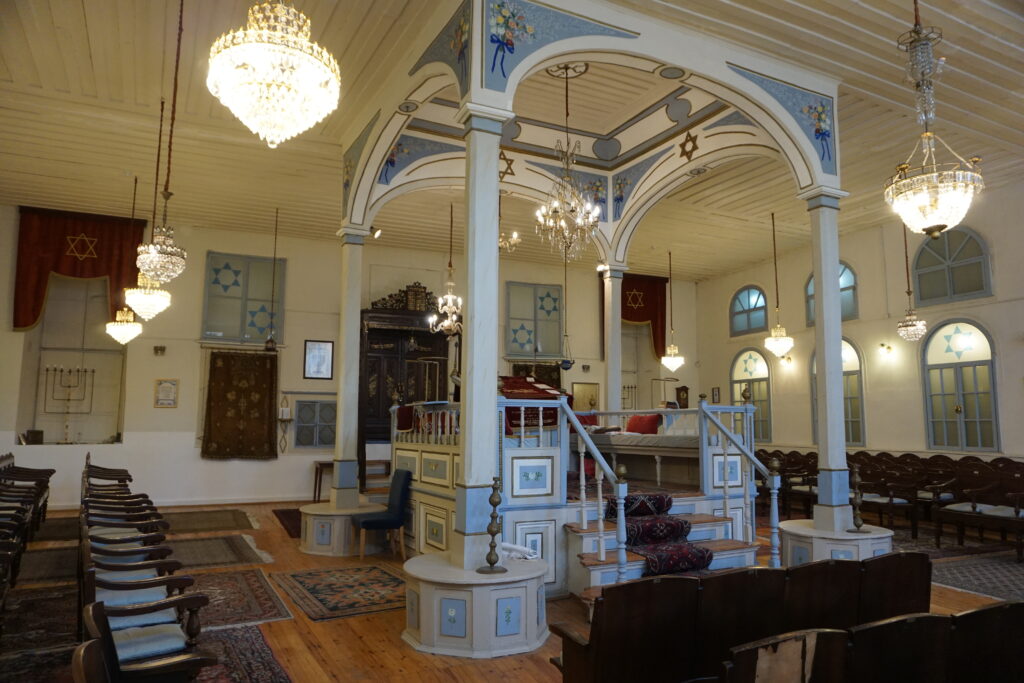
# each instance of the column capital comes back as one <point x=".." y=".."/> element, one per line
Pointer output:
<point x="613" y="270"/>
<point x="352" y="234"/>
<point x="483" y="118"/>
<point x="822" y="196"/>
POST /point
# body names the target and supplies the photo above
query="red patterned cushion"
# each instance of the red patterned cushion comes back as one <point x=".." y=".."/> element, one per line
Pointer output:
<point x="669" y="558"/>
<point x="641" y="505"/>
<point x="656" y="529"/>
<point x="643" y="424"/>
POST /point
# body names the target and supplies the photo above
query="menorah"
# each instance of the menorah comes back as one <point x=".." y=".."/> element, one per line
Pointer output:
<point x="68" y="391"/>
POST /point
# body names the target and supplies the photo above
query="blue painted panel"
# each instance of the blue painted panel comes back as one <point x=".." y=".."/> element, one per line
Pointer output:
<point x="833" y="487"/>
<point x="435" y="532"/>
<point x="351" y="161"/>
<point x="532" y="477"/>
<point x="509" y="617"/>
<point x="408" y="149"/>
<point x="688" y="509"/>
<point x="472" y="509"/>
<point x="322" y="532"/>
<point x="453" y="617"/>
<point x="412" y="610"/>
<point x="879" y="551"/>
<point x="842" y="554"/>
<point x="346" y="474"/>
<point x="452" y="46"/>
<point x="542" y="605"/>
<point x="701" y="535"/>
<point x="733" y="118"/>
<point x="609" y="577"/>
<point x="434" y="468"/>
<point x="406" y="462"/>
<point x="800" y="555"/>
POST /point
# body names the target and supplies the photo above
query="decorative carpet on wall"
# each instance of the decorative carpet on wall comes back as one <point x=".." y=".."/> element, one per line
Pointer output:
<point x="333" y="593"/>
<point x="66" y="528"/>
<point x="241" y="415"/>
<point x="58" y="564"/>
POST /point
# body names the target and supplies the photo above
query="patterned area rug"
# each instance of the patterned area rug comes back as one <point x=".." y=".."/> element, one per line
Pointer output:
<point x="925" y="543"/>
<point x="243" y="597"/>
<point x="51" y="666"/>
<point x="40" y="618"/>
<point x="66" y="528"/>
<point x="332" y="593"/>
<point x="997" y="575"/>
<point x="291" y="520"/>
<point x="58" y="564"/>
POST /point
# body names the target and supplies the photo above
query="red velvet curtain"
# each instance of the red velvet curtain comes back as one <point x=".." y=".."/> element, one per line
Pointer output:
<point x="81" y="245"/>
<point x="643" y="300"/>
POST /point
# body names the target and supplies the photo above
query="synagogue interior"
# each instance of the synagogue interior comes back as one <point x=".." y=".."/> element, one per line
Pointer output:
<point x="431" y="340"/>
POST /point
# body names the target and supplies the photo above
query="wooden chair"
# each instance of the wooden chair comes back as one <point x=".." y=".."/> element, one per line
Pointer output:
<point x="165" y="652"/>
<point x="392" y="519"/>
<point x="810" y="655"/>
<point x="892" y="584"/>
<point x="987" y="642"/>
<point x="909" y="648"/>
<point x="88" y="664"/>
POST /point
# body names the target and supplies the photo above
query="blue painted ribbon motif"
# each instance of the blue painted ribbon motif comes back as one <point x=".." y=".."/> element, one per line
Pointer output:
<point x="501" y="46"/>
<point x="506" y="24"/>
<point x="823" y="136"/>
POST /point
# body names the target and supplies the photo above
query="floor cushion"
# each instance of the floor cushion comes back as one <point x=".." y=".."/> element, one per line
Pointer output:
<point x="656" y="529"/>
<point x="669" y="558"/>
<point x="641" y="504"/>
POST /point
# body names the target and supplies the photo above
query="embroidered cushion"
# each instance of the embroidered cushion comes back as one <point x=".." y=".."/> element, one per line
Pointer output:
<point x="148" y="641"/>
<point x="643" y="424"/>
<point x="656" y="529"/>
<point x="668" y="558"/>
<point x="641" y="505"/>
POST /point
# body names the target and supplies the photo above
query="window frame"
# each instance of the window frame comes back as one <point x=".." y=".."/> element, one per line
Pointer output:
<point x="518" y="354"/>
<point x="926" y="389"/>
<point x="809" y="296"/>
<point x="767" y="380"/>
<point x="860" y="389"/>
<point x="317" y="424"/>
<point x="947" y="266"/>
<point x="733" y="332"/>
<point x="277" y="323"/>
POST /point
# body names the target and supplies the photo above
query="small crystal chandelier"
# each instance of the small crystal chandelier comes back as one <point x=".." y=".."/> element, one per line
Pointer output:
<point x="449" y="306"/>
<point x="567" y="220"/>
<point x="777" y="342"/>
<point x="934" y="196"/>
<point x="124" y="328"/>
<point x="147" y="299"/>
<point x="509" y="244"/>
<point x="911" y="328"/>
<point x="271" y="76"/>
<point x="671" y="360"/>
<point x="162" y="260"/>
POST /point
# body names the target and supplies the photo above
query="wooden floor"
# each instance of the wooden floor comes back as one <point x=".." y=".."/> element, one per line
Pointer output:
<point x="369" y="648"/>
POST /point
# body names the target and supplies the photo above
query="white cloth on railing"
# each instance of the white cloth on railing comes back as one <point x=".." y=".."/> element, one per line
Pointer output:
<point x="511" y="551"/>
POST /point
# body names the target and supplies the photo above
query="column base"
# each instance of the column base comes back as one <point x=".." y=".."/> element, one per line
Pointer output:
<point x="327" y="530"/>
<point x="452" y="611"/>
<point x="802" y="543"/>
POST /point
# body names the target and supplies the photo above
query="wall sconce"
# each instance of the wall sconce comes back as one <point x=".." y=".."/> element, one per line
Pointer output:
<point x="884" y="349"/>
<point x="159" y="350"/>
<point x="787" y="359"/>
<point x="585" y="368"/>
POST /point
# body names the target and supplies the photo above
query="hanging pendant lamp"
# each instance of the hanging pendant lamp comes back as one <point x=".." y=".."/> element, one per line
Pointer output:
<point x="671" y="360"/>
<point x="778" y="342"/>
<point x="124" y="328"/>
<point x="449" y="307"/>
<point x="911" y="328"/>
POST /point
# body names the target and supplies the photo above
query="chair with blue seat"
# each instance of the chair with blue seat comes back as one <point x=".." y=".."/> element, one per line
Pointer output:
<point x="392" y="519"/>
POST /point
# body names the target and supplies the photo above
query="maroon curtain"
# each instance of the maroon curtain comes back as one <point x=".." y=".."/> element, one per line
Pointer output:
<point x="81" y="245"/>
<point x="241" y="421"/>
<point x="643" y="300"/>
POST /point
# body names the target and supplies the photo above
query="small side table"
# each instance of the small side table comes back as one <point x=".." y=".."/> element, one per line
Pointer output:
<point x="320" y="466"/>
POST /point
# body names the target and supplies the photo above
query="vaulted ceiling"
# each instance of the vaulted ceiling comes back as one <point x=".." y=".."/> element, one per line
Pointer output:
<point x="81" y="80"/>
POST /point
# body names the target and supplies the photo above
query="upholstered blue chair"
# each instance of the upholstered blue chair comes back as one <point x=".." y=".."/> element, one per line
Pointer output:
<point x="392" y="519"/>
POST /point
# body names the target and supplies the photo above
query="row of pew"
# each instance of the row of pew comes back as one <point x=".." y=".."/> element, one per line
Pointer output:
<point x="137" y="620"/>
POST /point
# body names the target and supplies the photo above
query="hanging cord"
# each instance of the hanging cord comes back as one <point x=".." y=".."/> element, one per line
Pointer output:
<point x="273" y="276"/>
<point x="671" y="313"/>
<point x="917" y="14"/>
<point x="174" y="101"/>
<point x="135" y="190"/>
<point x="906" y="265"/>
<point x="451" y="235"/>
<point x="566" y="71"/>
<point x="156" y="175"/>
<point x="775" y="261"/>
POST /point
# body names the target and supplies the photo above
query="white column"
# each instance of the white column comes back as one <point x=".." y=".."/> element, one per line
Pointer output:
<point x="832" y="511"/>
<point x="613" y="337"/>
<point x="345" y="482"/>
<point x="479" y="436"/>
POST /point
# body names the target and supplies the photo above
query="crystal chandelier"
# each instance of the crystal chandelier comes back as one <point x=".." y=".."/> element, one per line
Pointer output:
<point x="777" y="342"/>
<point x="162" y="260"/>
<point x="124" y="328"/>
<point x="567" y="220"/>
<point x="147" y="299"/>
<point x="911" y="328"/>
<point x="271" y="76"/>
<point x="449" y="307"/>
<point x="671" y="360"/>
<point x="934" y="196"/>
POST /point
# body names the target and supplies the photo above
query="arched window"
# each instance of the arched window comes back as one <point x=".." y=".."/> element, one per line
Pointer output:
<point x="951" y="268"/>
<point x="959" y="388"/>
<point x="750" y="371"/>
<point x="847" y="294"/>
<point x="853" y="395"/>
<point x="748" y="311"/>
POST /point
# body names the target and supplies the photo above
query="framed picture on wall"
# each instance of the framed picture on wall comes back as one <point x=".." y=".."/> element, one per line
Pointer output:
<point x="716" y="394"/>
<point x="165" y="393"/>
<point x="318" y="360"/>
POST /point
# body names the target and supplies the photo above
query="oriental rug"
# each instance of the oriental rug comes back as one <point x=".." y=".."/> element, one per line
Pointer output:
<point x="997" y="575"/>
<point x="40" y="618"/>
<point x="66" y="528"/>
<point x="332" y="593"/>
<point x="925" y="543"/>
<point x="58" y="564"/>
<point x="291" y="520"/>
<point x="237" y="598"/>
<point x="52" y="666"/>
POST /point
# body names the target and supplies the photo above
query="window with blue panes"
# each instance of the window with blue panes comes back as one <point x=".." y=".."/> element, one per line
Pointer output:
<point x="533" y="320"/>
<point x="748" y="311"/>
<point x="847" y="294"/>
<point x="952" y="267"/>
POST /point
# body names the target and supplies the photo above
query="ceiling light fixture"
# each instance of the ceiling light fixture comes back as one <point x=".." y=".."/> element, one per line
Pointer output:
<point x="124" y="328"/>
<point x="162" y="260"/>
<point x="271" y="76"/>
<point x="567" y="220"/>
<point x="147" y="299"/>
<point x="377" y="232"/>
<point x="671" y="360"/>
<point x="932" y="197"/>
<point x="777" y="342"/>
<point x="449" y="307"/>
<point x="911" y="328"/>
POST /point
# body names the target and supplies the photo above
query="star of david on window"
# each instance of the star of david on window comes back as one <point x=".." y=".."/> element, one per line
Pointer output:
<point x="959" y="342"/>
<point x="635" y="299"/>
<point x="81" y="247"/>
<point x="522" y="336"/>
<point x="688" y="146"/>
<point x="547" y="303"/>
<point x="507" y="160"/>
<point x="261" y="319"/>
<point x="750" y="365"/>
<point x="230" y="278"/>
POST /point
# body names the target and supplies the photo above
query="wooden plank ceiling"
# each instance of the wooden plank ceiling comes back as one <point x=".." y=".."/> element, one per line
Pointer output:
<point x="81" y="80"/>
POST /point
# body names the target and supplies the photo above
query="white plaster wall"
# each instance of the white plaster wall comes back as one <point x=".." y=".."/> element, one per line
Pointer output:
<point x="894" y="407"/>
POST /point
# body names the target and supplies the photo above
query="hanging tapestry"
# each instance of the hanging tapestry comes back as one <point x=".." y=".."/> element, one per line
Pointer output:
<point x="241" y="421"/>
<point x="80" y="245"/>
<point x="643" y="301"/>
